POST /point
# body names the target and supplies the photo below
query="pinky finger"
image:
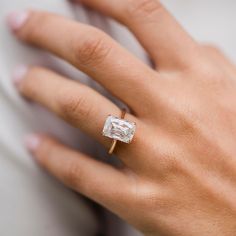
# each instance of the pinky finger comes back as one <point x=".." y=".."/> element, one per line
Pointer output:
<point x="95" y="180"/>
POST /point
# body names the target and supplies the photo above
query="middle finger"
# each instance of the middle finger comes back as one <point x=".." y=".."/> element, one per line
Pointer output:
<point x="93" y="52"/>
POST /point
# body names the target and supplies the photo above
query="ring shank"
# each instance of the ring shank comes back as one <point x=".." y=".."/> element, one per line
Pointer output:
<point x="112" y="148"/>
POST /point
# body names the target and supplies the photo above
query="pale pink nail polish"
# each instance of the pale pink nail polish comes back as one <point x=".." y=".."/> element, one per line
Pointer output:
<point x="16" y="20"/>
<point x="19" y="74"/>
<point x="32" y="142"/>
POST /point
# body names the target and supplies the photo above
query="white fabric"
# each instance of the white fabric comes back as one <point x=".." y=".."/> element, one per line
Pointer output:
<point x="31" y="202"/>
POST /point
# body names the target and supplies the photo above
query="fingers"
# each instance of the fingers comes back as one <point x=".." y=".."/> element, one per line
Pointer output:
<point x="165" y="40"/>
<point x="96" y="180"/>
<point x="76" y="103"/>
<point x="90" y="50"/>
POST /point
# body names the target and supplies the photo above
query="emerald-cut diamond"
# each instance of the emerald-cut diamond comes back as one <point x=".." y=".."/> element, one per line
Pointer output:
<point x="119" y="129"/>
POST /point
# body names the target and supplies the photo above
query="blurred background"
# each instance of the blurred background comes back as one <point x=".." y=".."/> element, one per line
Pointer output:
<point x="208" y="21"/>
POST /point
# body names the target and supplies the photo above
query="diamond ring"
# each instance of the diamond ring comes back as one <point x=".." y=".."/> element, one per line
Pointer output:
<point x="118" y="129"/>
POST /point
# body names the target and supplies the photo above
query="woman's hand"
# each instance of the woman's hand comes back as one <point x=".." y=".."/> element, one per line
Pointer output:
<point x="179" y="175"/>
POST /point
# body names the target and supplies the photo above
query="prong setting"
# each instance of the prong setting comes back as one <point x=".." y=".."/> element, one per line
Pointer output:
<point x="119" y="129"/>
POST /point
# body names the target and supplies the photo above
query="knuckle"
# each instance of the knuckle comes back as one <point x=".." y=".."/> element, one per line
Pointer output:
<point x="73" y="107"/>
<point x="208" y="71"/>
<point x="212" y="74"/>
<point x="93" y="50"/>
<point x="143" y="8"/>
<point x="172" y="165"/>
<point x="211" y="48"/>
<point x="148" y="196"/>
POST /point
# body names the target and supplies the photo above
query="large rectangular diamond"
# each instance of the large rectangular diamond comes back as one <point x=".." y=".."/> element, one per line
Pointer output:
<point x="119" y="129"/>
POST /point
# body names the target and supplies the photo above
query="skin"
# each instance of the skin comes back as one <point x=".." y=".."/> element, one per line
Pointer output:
<point x="179" y="173"/>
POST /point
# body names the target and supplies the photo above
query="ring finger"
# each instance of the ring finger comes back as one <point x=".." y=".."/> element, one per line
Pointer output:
<point x="78" y="104"/>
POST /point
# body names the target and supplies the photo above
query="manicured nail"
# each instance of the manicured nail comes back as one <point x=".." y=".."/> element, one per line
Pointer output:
<point x="19" y="74"/>
<point x="32" y="142"/>
<point x="16" y="20"/>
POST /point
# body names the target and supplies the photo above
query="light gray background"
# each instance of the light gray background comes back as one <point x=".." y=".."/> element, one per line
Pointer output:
<point x="31" y="202"/>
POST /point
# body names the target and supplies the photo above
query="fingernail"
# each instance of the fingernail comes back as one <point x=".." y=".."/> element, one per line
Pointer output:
<point x="32" y="142"/>
<point x="19" y="74"/>
<point x="16" y="20"/>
